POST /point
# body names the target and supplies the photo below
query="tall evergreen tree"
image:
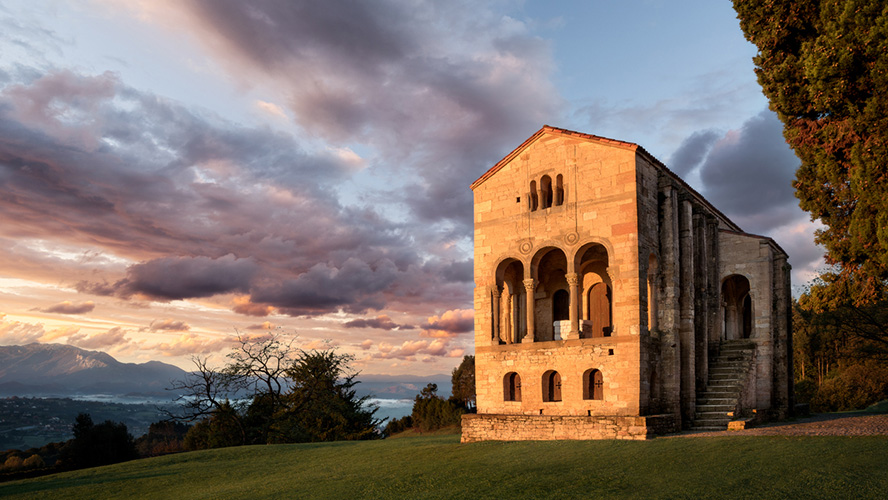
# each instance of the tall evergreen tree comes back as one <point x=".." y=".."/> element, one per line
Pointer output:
<point x="823" y="64"/>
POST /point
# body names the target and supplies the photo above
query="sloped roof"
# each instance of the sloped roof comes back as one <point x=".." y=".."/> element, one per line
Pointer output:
<point x="547" y="129"/>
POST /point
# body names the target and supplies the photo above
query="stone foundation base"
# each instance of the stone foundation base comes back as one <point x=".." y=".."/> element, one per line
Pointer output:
<point x="492" y="427"/>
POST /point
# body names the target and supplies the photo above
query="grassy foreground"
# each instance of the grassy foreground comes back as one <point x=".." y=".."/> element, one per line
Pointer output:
<point x="440" y="467"/>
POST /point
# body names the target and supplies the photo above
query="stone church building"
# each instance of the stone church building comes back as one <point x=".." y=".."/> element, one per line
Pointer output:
<point x="613" y="301"/>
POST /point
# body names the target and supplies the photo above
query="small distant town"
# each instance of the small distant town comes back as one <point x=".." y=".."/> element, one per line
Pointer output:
<point x="33" y="422"/>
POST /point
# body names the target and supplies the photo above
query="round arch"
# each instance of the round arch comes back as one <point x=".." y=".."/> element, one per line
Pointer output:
<point x="737" y="307"/>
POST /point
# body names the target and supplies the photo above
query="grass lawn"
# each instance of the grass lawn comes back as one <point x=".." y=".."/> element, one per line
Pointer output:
<point x="439" y="467"/>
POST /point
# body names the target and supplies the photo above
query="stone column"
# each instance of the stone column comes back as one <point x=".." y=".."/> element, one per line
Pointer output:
<point x="529" y="285"/>
<point x="686" y="311"/>
<point x="495" y="296"/>
<point x="573" y="282"/>
<point x="507" y="321"/>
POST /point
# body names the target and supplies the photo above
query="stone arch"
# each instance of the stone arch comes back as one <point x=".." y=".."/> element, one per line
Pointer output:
<point x="551" y="386"/>
<point x="737" y="308"/>
<point x="534" y="197"/>
<point x="512" y="387"/>
<point x="592" y="264"/>
<point x="593" y="384"/>
<point x="559" y="190"/>
<point x="546" y="191"/>
<point x="549" y="269"/>
<point x="509" y="302"/>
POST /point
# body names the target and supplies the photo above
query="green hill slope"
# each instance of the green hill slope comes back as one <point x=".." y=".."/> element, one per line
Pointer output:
<point x="440" y="467"/>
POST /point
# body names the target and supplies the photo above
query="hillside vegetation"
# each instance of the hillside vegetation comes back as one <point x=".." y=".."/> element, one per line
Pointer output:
<point x="441" y="467"/>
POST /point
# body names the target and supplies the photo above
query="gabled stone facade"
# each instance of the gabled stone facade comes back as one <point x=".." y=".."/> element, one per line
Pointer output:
<point x="605" y="289"/>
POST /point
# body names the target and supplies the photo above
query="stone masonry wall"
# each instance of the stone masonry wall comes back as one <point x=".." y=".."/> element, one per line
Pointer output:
<point x="542" y="428"/>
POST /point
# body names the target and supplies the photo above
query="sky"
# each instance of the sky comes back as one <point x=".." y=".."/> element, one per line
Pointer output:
<point x="174" y="174"/>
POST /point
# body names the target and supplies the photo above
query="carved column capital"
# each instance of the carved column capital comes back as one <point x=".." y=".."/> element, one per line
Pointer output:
<point x="573" y="279"/>
<point x="611" y="273"/>
<point x="529" y="284"/>
<point x="495" y="290"/>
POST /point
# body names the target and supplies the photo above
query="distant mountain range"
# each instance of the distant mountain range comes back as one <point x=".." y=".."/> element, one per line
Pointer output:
<point x="64" y="370"/>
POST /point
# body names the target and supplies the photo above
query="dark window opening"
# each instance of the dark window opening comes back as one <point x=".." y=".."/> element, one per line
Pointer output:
<point x="512" y="387"/>
<point x="551" y="386"/>
<point x="593" y="385"/>
<point x="561" y="305"/>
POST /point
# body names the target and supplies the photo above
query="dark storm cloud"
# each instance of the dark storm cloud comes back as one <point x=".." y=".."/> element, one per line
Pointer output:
<point x="173" y="278"/>
<point x="748" y="175"/>
<point x="202" y="206"/>
<point x="441" y="89"/>
<point x="692" y="151"/>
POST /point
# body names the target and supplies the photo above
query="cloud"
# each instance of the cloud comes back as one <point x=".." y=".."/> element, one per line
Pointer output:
<point x="243" y="305"/>
<point x="68" y="307"/>
<point x="202" y="206"/>
<point x="265" y="325"/>
<point x="19" y="333"/>
<point x="692" y="151"/>
<point x="381" y="322"/>
<point x="748" y="174"/>
<point x="443" y="88"/>
<point x="168" y="324"/>
<point x="191" y="344"/>
<point x="410" y="349"/>
<point x="113" y="337"/>
<point x="450" y="323"/>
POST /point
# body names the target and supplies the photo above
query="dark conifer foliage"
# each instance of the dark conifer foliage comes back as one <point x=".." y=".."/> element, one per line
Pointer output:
<point x="823" y="64"/>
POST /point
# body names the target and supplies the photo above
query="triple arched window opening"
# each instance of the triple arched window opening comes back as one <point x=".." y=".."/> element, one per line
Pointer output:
<point x="544" y="194"/>
<point x="593" y="386"/>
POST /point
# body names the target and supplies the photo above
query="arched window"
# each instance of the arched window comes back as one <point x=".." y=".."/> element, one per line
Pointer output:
<point x="551" y="386"/>
<point x="561" y="305"/>
<point x="559" y="190"/>
<point x="546" y="191"/>
<point x="593" y="385"/>
<point x="512" y="387"/>
<point x="737" y="306"/>
<point x="534" y="197"/>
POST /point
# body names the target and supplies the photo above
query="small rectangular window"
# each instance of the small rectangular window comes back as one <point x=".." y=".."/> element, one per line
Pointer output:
<point x="518" y="200"/>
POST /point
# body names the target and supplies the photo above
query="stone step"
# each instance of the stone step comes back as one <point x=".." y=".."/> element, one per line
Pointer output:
<point x="709" y="427"/>
<point x="716" y="408"/>
<point x="723" y="376"/>
<point x="728" y="369"/>
<point x="723" y="383"/>
<point x="716" y="401"/>
<point x="734" y="395"/>
<point x="733" y="359"/>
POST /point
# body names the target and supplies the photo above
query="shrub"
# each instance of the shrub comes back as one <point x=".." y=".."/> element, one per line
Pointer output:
<point x="34" y="462"/>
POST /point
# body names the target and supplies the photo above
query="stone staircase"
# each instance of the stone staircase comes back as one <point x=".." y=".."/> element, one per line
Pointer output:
<point x="717" y="404"/>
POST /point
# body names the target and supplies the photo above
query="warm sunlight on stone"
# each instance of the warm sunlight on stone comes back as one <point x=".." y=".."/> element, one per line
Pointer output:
<point x="613" y="301"/>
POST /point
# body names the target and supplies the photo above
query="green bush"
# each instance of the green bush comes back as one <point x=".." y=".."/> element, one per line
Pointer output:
<point x="34" y="462"/>
<point x="855" y="387"/>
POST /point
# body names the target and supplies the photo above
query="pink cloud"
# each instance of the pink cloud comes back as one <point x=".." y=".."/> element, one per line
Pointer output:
<point x="68" y="307"/>
<point x="450" y="324"/>
<point x="191" y="344"/>
<point x="113" y="337"/>
<point x="168" y="324"/>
